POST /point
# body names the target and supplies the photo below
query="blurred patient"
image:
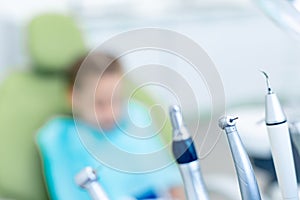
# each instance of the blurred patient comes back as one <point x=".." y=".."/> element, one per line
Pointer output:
<point x="109" y="135"/>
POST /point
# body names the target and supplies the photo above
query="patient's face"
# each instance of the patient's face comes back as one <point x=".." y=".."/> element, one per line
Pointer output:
<point x="99" y="102"/>
<point x="108" y="101"/>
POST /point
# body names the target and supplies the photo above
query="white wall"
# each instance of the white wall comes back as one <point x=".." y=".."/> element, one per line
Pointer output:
<point x="237" y="36"/>
<point x="239" y="40"/>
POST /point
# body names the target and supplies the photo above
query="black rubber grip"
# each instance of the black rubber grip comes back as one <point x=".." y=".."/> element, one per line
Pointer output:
<point x="184" y="151"/>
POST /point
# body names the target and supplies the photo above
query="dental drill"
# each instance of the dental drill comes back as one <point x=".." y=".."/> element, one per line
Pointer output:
<point x="186" y="157"/>
<point x="247" y="180"/>
<point x="280" y="141"/>
<point x="87" y="179"/>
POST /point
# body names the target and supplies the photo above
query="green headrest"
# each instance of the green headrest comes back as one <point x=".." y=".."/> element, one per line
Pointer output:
<point x="54" y="42"/>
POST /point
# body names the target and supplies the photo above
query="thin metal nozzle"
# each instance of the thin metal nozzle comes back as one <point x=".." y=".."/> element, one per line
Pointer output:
<point x="176" y="117"/>
<point x="268" y="82"/>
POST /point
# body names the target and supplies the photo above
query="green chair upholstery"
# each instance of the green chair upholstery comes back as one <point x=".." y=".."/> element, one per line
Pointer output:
<point x="29" y="98"/>
<point x="54" y="42"/>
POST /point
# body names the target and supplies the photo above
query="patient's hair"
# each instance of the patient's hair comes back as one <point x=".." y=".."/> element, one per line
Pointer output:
<point x="96" y="64"/>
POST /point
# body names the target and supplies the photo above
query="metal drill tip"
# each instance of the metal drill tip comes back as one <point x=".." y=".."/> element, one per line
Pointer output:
<point x="233" y="119"/>
<point x="176" y="117"/>
<point x="226" y="121"/>
<point x="268" y="82"/>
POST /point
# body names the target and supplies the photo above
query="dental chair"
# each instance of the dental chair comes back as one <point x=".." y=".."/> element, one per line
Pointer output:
<point x="29" y="98"/>
<point x="141" y="96"/>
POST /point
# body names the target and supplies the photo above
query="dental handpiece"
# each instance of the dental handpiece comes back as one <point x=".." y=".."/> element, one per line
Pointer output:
<point x="280" y="141"/>
<point x="247" y="180"/>
<point x="186" y="157"/>
<point x="88" y="179"/>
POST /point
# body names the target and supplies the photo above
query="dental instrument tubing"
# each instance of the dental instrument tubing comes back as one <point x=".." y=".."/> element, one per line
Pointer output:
<point x="281" y="148"/>
<point x="247" y="180"/>
<point x="186" y="157"/>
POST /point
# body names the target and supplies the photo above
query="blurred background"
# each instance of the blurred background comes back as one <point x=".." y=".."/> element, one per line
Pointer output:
<point x="238" y="37"/>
